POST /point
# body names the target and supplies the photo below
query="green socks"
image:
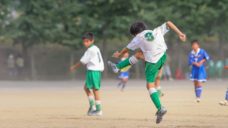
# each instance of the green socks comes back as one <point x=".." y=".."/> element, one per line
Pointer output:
<point x="155" y="98"/>
<point x="91" y="101"/>
<point x="98" y="105"/>
<point x="123" y="64"/>
<point x="129" y="61"/>
<point x="159" y="91"/>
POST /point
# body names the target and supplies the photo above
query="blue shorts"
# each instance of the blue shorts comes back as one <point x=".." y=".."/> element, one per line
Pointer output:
<point x="198" y="74"/>
<point x="124" y="75"/>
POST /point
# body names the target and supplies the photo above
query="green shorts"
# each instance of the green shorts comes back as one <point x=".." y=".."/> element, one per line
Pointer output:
<point x="152" y="69"/>
<point x="93" y="79"/>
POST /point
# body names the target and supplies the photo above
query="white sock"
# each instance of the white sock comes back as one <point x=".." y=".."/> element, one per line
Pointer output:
<point x="152" y="90"/>
<point x="133" y="60"/>
<point x="158" y="87"/>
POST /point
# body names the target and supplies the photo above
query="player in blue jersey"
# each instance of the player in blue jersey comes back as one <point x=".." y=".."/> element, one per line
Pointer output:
<point x="196" y="59"/>
<point x="225" y="102"/>
<point x="124" y="73"/>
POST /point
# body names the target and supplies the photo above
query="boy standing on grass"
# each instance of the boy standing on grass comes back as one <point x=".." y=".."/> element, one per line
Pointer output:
<point x="153" y="49"/>
<point x="196" y="59"/>
<point x="94" y="63"/>
<point x="225" y="102"/>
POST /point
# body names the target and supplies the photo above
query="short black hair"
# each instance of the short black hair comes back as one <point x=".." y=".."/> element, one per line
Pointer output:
<point x="137" y="27"/>
<point x="195" y="41"/>
<point x="88" y="35"/>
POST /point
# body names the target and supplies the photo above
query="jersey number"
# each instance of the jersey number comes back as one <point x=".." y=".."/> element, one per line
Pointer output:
<point x="149" y="36"/>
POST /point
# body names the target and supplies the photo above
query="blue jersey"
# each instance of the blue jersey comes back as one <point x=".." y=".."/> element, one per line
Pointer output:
<point x="198" y="73"/>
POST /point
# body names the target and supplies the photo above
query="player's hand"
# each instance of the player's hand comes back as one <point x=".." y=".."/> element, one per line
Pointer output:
<point x="197" y="64"/>
<point x="182" y="37"/>
<point x="200" y="63"/>
<point x="116" y="54"/>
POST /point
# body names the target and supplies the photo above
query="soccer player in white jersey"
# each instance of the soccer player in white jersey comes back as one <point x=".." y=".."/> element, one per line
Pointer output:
<point x="94" y="63"/>
<point x="153" y="50"/>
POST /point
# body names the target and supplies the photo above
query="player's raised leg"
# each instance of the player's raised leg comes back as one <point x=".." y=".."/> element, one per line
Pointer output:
<point x="127" y="62"/>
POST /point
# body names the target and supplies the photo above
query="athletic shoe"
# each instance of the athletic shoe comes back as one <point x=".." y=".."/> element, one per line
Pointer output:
<point x="160" y="113"/>
<point x="223" y="103"/>
<point x="198" y="100"/>
<point x="113" y="66"/>
<point x="90" y="111"/>
<point x="97" y="113"/>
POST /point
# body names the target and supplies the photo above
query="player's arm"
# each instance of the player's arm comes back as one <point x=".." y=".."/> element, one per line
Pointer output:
<point x="173" y="27"/>
<point x="201" y="62"/>
<point x="118" y="54"/>
<point x="75" y="66"/>
<point x="191" y="61"/>
<point x="206" y="58"/>
<point x="133" y="45"/>
<point x="83" y="61"/>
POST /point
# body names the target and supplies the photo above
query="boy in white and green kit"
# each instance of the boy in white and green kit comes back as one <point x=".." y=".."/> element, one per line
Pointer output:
<point x="94" y="63"/>
<point x="153" y="50"/>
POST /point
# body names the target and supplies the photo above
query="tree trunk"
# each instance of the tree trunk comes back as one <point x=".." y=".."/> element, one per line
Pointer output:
<point x="33" y="67"/>
<point x="26" y="61"/>
<point x="220" y="47"/>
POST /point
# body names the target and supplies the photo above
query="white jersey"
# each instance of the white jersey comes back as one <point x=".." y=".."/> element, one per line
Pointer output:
<point x="151" y="42"/>
<point x="92" y="59"/>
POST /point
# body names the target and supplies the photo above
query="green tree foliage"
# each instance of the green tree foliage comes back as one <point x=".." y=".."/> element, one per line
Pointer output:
<point x="30" y="22"/>
<point x="64" y="21"/>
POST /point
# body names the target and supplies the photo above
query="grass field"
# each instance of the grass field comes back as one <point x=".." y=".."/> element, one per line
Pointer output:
<point x="64" y="105"/>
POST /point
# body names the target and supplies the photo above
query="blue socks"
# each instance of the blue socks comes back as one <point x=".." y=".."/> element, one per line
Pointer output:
<point x="198" y="91"/>
<point x="226" y="97"/>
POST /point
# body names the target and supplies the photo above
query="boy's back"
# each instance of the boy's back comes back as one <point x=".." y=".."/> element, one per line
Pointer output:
<point x="151" y="42"/>
<point x="93" y="59"/>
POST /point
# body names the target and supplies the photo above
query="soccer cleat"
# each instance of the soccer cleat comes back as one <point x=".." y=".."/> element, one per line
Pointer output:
<point x="113" y="66"/>
<point x="96" y="113"/>
<point x="160" y="113"/>
<point x="223" y="103"/>
<point x="198" y="100"/>
<point x="90" y="111"/>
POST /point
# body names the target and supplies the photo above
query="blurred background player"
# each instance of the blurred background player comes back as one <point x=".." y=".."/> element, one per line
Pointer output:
<point x="133" y="60"/>
<point x="11" y="63"/>
<point x="94" y="63"/>
<point x="167" y="74"/>
<point x="124" y="73"/>
<point x="153" y="48"/>
<point x="225" y="102"/>
<point x="196" y="59"/>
